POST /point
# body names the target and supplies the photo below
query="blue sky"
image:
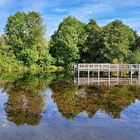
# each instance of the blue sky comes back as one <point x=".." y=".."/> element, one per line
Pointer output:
<point x="53" y="11"/>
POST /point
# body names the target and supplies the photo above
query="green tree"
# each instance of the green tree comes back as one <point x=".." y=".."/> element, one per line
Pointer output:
<point x="136" y="44"/>
<point x="25" y="34"/>
<point x="3" y="47"/>
<point x="92" y="44"/>
<point x="118" y="40"/>
<point x="64" y="42"/>
<point x="7" y="57"/>
<point x="135" y="57"/>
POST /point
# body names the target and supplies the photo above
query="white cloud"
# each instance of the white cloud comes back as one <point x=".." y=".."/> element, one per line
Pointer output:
<point x="88" y="12"/>
<point x="91" y="10"/>
<point x="119" y="3"/>
<point x="60" y="10"/>
<point x="102" y="10"/>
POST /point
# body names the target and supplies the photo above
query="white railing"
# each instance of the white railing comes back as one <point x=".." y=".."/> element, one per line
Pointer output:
<point x="112" y="67"/>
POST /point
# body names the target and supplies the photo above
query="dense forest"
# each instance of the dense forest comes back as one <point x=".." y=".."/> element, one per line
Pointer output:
<point x="24" y="45"/>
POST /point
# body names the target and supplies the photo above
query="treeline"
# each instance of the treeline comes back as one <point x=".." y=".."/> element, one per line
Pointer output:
<point x="75" y="41"/>
<point x="24" y="45"/>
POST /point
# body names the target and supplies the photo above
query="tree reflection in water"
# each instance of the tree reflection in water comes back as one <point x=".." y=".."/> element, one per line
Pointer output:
<point x="71" y="100"/>
<point x="26" y="99"/>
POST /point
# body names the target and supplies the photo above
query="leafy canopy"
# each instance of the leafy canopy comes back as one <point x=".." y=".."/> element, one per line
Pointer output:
<point x="25" y="33"/>
<point x="63" y="45"/>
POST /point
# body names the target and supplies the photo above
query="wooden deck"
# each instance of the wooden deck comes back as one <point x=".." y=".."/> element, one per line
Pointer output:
<point x="108" y="67"/>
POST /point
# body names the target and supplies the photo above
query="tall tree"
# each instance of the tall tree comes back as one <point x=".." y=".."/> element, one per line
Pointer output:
<point x="92" y="44"/>
<point x="63" y="44"/>
<point x="118" y="40"/>
<point x="25" y="34"/>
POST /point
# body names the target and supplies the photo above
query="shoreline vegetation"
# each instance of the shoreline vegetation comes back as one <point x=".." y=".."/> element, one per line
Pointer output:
<point x="24" y="69"/>
<point x="24" y="47"/>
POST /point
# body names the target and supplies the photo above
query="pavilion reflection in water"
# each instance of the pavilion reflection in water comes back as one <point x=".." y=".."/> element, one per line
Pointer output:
<point x="85" y="79"/>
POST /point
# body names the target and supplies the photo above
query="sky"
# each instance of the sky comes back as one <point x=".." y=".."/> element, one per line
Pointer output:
<point x="53" y="11"/>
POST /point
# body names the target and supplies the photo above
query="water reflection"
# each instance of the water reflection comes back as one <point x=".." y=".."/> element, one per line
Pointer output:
<point x="91" y="78"/>
<point x="26" y="99"/>
<point x="22" y="108"/>
<point x="72" y="99"/>
<point x="53" y="106"/>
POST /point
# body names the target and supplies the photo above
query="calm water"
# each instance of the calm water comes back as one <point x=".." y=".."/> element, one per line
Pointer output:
<point x="53" y="107"/>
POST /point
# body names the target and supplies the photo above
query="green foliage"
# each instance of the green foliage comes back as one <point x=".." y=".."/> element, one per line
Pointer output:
<point x="90" y="51"/>
<point x="117" y="42"/>
<point x="63" y="45"/>
<point x="135" y="57"/>
<point x="9" y="62"/>
<point x="3" y="47"/>
<point x="75" y="41"/>
<point x="24" y="30"/>
<point x="25" y="34"/>
<point x="35" y="60"/>
<point x="24" y="45"/>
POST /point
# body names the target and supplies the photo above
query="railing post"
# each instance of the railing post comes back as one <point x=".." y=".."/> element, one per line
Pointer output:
<point x="78" y="74"/>
<point x="139" y="74"/>
<point x="98" y="74"/>
<point x="88" y="73"/>
<point x="131" y="75"/>
<point x="109" y="74"/>
<point x="118" y="72"/>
